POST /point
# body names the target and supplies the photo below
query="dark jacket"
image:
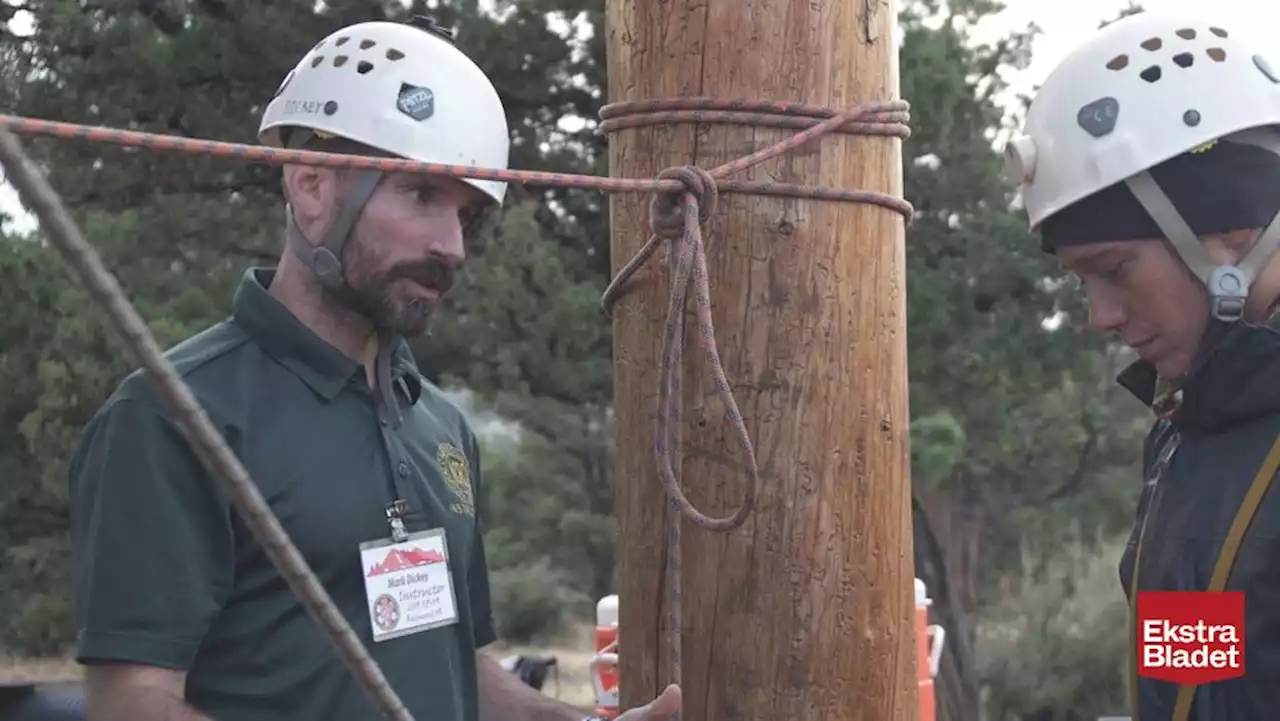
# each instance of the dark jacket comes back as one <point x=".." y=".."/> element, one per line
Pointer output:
<point x="1198" y="462"/>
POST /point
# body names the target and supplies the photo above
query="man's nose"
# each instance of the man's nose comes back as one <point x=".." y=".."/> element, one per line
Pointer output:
<point x="448" y="242"/>
<point x="1106" y="313"/>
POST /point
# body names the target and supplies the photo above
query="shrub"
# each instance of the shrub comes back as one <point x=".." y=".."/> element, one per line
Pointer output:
<point x="534" y="601"/>
<point x="1055" y="648"/>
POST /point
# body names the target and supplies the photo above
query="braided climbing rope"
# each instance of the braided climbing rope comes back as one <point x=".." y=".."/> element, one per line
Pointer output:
<point x="684" y="199"/>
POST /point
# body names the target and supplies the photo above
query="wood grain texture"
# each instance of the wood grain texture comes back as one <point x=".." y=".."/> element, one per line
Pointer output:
<point x="804" y="613"/>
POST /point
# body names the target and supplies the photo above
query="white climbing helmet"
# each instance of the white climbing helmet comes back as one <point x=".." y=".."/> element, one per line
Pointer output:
<point x="1143" y="90"/>
<point x="403" y="88"/>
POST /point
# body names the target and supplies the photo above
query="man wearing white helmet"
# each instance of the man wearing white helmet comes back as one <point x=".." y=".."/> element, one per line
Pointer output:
<point x="1150" y="165"/>
<point x="370" y="469"/>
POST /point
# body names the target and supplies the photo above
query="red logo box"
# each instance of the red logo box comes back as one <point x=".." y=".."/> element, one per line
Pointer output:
<point x="1190" y="637"/>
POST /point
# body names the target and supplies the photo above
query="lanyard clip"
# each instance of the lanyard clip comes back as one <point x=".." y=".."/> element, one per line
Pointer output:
<point x="396" y="512"/>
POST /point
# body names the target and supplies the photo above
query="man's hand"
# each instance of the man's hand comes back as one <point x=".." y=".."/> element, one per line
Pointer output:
<point x="663" y="708"/>
<point x="129" y="692"/>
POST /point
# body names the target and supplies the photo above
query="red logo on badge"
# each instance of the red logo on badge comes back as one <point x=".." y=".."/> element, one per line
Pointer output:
<point x="1190" y="637"/>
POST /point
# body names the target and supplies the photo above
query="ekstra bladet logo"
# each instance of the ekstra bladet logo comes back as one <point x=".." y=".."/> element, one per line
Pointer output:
<point x="1190" y="637"/>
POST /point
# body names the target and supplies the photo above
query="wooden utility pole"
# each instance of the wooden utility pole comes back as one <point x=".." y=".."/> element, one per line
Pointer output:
<point x="804" y="613"/>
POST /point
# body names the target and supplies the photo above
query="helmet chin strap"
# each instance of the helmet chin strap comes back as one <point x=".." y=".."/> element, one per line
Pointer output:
<point x="325" y="262"/>
<point x="1228" y="285"/>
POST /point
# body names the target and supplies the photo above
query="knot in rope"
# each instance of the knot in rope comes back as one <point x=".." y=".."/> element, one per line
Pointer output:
<point x="667" y="210"/>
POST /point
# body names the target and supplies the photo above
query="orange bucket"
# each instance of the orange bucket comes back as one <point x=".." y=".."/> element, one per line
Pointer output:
<point x="929" y="639"/>
<point x="604" y="665"/>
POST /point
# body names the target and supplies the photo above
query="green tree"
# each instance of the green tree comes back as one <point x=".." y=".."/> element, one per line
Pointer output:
<point x="58" y="362"/>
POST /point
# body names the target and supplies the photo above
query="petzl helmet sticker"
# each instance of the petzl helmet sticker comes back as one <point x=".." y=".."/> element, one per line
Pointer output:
<point x="418" y="103"/>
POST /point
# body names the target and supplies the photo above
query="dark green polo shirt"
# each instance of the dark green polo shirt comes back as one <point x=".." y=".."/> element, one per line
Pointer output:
<point x="166" y="573"/>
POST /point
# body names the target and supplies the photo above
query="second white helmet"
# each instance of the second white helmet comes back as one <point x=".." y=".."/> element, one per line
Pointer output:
<point x="1144" y="90"/>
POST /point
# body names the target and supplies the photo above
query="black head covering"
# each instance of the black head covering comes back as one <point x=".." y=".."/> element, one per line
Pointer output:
<point x="1226" y="186"/>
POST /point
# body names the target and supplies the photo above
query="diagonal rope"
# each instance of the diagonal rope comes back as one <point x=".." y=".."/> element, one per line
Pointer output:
<point x="209" y="444"/>
<point x="684" y="199"/>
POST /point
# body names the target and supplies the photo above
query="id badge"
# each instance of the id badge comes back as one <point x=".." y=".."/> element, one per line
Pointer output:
<point x="408" y="584"/>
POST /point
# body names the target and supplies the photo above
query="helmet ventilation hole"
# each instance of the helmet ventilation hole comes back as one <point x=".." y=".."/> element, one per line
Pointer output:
<point x="1261" y="64"/>
<point x="363" y="67"/>
<point x="1185" y="59"/>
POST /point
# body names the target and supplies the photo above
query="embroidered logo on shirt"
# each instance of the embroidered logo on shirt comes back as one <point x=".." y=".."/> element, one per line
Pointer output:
<point x="454" y="467"/>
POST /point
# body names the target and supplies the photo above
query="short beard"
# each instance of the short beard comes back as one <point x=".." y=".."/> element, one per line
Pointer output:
<point x="368" y="292"/>
<point x="372" y="299"/>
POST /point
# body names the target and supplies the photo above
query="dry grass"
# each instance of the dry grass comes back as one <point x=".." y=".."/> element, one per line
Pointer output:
<point x="573" y="655"/>
<point x="39" y="670"/>
<point x="572" y="652"/>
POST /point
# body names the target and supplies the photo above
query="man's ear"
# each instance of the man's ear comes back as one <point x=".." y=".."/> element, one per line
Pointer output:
<point x="311" y="192"/>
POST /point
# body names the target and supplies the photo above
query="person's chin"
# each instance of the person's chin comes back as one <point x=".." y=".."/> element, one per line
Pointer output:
<point x="412" y="318"/>
<point x="1171" y="366"/>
